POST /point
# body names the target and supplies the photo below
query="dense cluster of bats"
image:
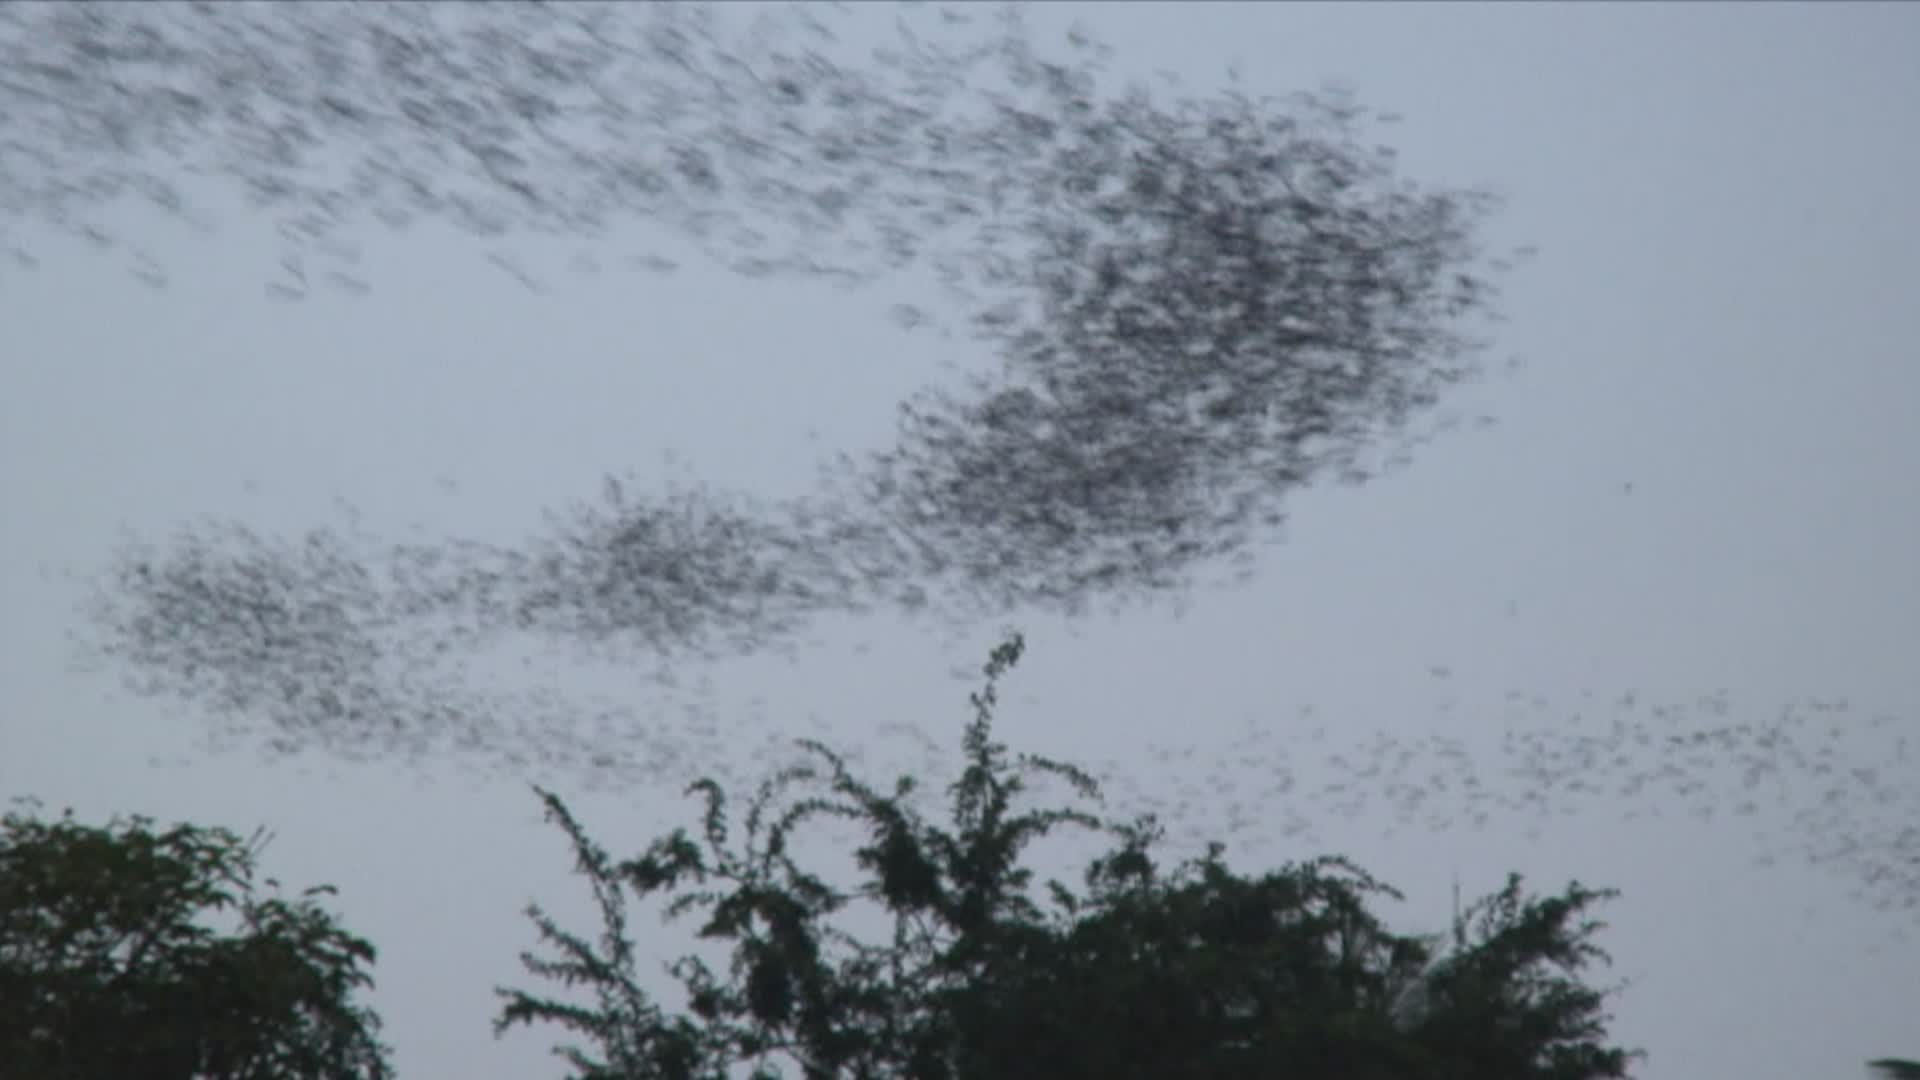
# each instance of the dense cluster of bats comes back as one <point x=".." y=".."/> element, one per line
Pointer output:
<point x="1199" y="304"/>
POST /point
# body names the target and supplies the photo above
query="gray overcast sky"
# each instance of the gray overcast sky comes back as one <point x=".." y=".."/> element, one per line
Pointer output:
<point x="1721" y="316"/>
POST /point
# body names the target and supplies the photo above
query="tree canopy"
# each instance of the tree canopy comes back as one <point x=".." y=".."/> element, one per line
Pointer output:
<point x="1144" y="971"/>
<point x="109" y="968"/>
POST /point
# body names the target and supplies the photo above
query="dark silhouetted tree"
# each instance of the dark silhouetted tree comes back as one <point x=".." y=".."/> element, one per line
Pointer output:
<point x="110" y="971"/>
<point x="1143" y="972"/>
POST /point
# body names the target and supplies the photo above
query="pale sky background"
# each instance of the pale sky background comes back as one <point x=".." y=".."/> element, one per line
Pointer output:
<point x="1722" y="315"/>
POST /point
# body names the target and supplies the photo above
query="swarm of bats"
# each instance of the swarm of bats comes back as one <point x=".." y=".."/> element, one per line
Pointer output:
<point x="1198" y="304"/>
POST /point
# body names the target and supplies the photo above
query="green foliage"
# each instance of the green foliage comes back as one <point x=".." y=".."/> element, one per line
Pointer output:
<point x="1193" y="972"/>
<point x="109" y="971"/>
<point x="1895" y="1068"/>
